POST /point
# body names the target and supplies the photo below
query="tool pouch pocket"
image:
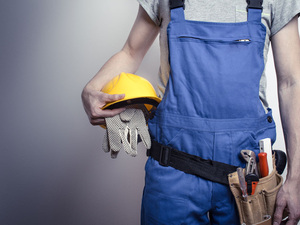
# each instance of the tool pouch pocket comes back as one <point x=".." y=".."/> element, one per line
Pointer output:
<point x="259" y="207"/>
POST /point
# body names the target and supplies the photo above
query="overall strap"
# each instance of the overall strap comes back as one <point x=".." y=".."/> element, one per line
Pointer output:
<point x="177" y="10"/>
<point x="254" y="9"/>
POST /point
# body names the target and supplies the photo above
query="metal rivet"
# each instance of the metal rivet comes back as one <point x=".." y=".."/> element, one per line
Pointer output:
<point x="270" y="119"/>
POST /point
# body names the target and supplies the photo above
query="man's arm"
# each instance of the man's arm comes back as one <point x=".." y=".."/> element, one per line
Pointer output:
<point x="141" y="37"/>
<point x="286" y="49"/>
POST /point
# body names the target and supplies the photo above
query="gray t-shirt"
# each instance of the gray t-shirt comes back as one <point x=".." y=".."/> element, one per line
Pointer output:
<point x="276" y="14"/>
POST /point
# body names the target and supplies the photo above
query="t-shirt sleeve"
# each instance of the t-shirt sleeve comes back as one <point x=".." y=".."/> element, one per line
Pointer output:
<point x="152" y="9"/>
<point x="283" y="12"/>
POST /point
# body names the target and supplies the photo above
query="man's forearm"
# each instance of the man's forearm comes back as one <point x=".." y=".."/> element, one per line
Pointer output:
<point x="289" y="94"/>
<point x="288" y="195"/>
<point x="120" y="62"/>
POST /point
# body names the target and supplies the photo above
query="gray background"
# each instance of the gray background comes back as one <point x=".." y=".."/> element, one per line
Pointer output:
<point x="52" y="168"/>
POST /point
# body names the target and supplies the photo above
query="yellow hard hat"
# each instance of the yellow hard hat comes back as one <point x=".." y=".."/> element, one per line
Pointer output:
<point x="137" y="90"/>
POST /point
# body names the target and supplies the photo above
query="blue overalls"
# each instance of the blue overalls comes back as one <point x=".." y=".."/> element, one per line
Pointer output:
<point x="211" y="109"/>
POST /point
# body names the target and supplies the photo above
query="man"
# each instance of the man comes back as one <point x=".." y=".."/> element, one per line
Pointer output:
<point x="215" y="82"/>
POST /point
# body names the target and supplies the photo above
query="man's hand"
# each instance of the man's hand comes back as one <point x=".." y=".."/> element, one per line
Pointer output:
<point x="288" y="199"/>
<point x="94" y="100"/>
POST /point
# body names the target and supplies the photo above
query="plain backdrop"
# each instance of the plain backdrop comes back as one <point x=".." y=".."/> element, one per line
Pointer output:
<point x="52" y="168"/>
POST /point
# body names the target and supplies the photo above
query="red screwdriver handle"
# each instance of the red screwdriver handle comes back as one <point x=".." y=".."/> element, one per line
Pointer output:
<point x="263" y="164"/>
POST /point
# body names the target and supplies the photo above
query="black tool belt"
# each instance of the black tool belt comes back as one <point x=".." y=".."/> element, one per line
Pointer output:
<point x="191" y="164"/>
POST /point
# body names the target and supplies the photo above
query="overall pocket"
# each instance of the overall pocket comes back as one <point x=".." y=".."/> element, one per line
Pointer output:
<point x="222" y="69"/>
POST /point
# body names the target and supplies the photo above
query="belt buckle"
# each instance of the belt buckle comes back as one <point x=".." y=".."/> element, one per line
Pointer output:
<point x="164" y="157"/>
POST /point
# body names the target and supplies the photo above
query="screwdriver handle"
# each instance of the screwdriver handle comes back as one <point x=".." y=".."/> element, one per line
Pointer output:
<point x="251" y="182"/>
<point x="263" y="164"/>
<point x="251" y="186"/>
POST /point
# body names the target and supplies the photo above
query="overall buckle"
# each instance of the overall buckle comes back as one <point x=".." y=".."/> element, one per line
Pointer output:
<point x="176" y="4"/>
<point x="164" y="157"/>
<point x="254" y="4"/>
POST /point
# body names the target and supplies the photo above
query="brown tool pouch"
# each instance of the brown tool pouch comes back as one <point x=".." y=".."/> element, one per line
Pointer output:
<point x="259" y="207"/>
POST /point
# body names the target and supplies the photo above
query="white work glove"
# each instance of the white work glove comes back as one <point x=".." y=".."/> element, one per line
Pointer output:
<point x="125" y="128"/>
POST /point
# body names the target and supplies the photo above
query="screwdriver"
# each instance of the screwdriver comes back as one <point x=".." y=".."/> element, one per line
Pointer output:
<point x="242" y="183"/>
<point x="263" y="164"/>
<point x="266" y="147"/>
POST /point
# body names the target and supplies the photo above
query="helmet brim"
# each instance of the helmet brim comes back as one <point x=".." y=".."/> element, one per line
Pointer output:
<point x="153" y="101"/>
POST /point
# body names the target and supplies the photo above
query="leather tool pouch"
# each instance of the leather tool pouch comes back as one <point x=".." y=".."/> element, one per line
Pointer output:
<point x="259" y="207"/>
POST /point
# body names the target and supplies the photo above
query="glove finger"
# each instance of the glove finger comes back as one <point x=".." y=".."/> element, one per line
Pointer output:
<point x="115" y="143"/>
<point x="105" y="144"/>
<point x="114" y="139"/>
<point x="133" y="142"/>
<point x="145" y="136"/>
<point x="125" y="136"/>
<point x="140" y="123"/>
<point x="114" y="154"/>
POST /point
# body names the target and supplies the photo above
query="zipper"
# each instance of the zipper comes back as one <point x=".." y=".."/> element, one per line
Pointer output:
<point x="243" y="40"/>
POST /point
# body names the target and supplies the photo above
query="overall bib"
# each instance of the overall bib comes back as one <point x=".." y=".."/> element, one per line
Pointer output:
<point x="211" y="109"/>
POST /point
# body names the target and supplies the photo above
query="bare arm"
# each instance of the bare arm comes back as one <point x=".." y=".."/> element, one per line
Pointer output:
<point x="141" y="37"/>
<point x="286" y="48"/>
